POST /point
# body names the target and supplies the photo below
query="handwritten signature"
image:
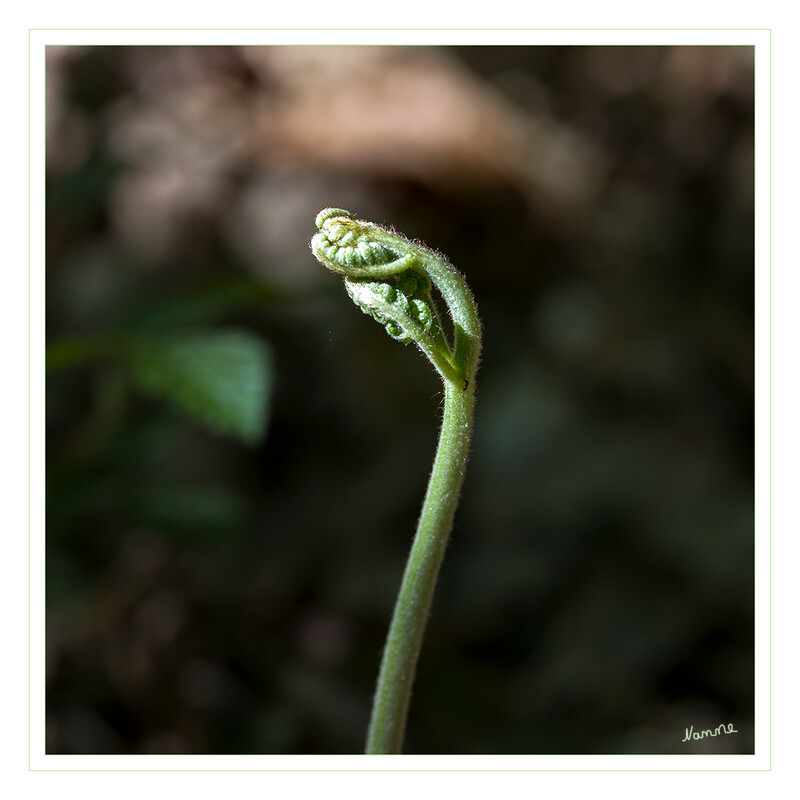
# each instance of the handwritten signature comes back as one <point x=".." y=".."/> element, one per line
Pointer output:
<point x="691" y="733"/>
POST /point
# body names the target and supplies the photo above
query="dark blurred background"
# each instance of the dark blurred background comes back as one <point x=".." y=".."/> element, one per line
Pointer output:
<point x="236" y="456"/>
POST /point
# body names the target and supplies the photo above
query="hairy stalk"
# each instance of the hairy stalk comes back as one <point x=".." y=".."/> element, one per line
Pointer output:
<point x="390" y="278"/>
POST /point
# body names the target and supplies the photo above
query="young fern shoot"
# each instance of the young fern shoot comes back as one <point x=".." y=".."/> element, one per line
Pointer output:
<point x="391" y="278"/>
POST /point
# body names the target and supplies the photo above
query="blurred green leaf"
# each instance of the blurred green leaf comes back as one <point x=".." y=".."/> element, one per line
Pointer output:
<point x="220" y="378"/>
<point x="198" y="514"/>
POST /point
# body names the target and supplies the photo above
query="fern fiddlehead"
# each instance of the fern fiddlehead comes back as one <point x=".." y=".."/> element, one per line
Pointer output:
<point x="391" y="279"/>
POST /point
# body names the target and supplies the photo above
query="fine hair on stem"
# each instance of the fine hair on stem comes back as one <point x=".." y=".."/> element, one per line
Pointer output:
<point x="393" y="280"/>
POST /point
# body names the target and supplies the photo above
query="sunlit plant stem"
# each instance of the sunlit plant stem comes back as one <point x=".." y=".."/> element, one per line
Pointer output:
<point x="391" y="278"/>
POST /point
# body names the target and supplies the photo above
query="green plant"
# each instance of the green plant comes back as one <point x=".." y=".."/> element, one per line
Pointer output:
<point x="391" y="278"/>
<point x="171" y="349"/>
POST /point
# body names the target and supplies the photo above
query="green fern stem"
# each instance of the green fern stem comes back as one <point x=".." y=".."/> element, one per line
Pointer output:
<point x="390" y="278"/>
<point x="401" y="652"/>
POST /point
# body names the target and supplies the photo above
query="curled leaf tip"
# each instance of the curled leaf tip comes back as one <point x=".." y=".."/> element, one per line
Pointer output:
<point x="391" y="278"/>
<point x="330" y="213"/>
<point x="355" y="248"/>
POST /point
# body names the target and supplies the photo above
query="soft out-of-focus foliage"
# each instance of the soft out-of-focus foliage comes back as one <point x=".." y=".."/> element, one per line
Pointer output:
<point x="219" y="377"/>
<point x="597" y="596"/>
